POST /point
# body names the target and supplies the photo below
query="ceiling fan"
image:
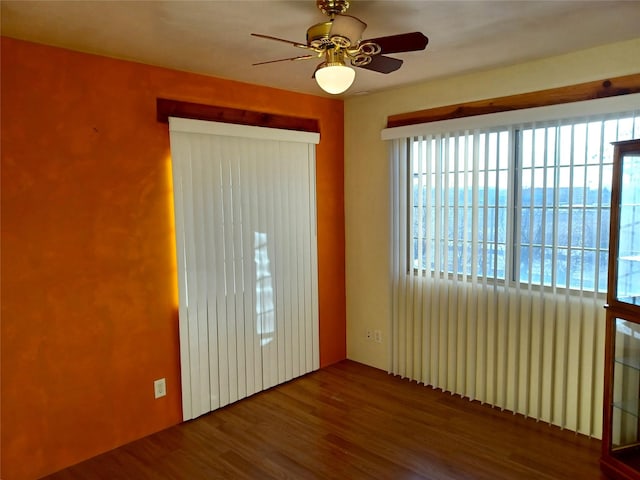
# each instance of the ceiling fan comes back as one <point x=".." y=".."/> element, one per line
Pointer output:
<point x="339" y="41"/>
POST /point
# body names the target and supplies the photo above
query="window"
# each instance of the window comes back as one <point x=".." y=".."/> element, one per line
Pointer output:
<point x="526" y="203"/>
<point x="499" y="236"/>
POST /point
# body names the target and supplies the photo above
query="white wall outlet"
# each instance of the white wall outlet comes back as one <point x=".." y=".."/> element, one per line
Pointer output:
<point x="369" y="335"/>
<point x="377" y="335"/>
<point x="160" y="387"/>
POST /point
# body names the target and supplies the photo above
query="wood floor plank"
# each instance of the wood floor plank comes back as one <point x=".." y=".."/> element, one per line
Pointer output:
<point x="351" y="422"/>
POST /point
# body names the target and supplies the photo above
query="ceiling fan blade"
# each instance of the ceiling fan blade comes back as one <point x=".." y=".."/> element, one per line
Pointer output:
<point x="302" y="57"/>
<point x="348" y="27"/>
<point x="404" y="42"/>
<point x="382" y="64"/>
<point x="295" y="44"/>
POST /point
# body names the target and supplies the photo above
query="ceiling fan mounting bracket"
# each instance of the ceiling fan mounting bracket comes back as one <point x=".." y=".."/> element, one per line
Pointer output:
<point x="332" y="7"/>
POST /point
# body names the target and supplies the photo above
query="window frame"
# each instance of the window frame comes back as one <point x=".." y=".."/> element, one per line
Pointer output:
<point x="515" y="172"/>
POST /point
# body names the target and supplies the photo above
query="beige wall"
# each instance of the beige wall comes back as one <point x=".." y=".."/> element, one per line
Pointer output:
<point x="366" y="169"/>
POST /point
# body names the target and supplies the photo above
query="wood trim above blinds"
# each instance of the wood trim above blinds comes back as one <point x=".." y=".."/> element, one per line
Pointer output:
<point x="574" y="110"/>
<point x="166" y="108"/>
<point x="572" y="93"/>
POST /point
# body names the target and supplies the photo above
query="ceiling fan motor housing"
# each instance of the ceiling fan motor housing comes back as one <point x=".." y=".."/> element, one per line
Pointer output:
<point x="318" y="35"/>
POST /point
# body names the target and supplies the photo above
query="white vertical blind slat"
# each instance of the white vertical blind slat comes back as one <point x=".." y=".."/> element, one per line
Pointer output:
<point x="305" y="268"/>
<point x="221" y="289"/>
<point x="248" y="272"/>
<point x="262" y="258"/>
<point x="237" y="187"/>
<point x="425" y="163"/>
<point x="229" y="388"/>
<point x="297" y="268"/>
<point x="251" y="279"/>
<point x="274" y="267"/>
<point x="209" y="264"/>
<point x="421" y="242"/>
<point x="184" y="327"/>
<point x="196" y="311"/>
<point x="201" y="280"/>
<point x="289" y="282"/>
<point x="402" y="254"/>
<point x="313" y="241"/>
<point x="295" y="274"/>
<point x="272" y="320"/>
<point x="484" y="299"/>
<point x="454" y="294"/>
<point x="395" y="239"/>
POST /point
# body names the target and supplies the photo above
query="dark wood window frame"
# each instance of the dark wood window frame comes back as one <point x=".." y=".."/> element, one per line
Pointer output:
<point x="554" y="96"/>
<point x="166" y="108"/>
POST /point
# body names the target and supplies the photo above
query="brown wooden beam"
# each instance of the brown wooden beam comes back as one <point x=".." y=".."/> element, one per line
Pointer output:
<point x="553" y="96"/>
<point x="176" y="108"/>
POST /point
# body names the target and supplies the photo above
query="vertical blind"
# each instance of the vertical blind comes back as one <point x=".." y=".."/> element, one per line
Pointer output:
<point x="499" y="259"/>
<point x="247" y="259"/>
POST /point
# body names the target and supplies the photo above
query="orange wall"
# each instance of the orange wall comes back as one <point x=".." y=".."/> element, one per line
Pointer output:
<point x="89" y="315"/>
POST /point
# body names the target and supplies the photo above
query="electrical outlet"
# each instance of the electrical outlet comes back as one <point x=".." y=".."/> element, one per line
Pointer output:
<point x="369" y="335"/>
<point x="377" y="335"/>
<point x="160" y="387"/>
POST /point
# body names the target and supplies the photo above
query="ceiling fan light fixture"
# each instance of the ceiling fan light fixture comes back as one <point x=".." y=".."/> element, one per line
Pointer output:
<point x="335" y="78"/>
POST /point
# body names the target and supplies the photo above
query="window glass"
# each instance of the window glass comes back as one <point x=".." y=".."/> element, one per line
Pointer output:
<point x="526" y="204"/>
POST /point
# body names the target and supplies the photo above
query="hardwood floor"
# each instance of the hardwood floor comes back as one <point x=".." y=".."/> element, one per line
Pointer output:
<point x="350" y="421"/>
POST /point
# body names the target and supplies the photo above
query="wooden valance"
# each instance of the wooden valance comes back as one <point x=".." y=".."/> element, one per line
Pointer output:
<point x="553" y="96"/>
<point x="176" y="108"/>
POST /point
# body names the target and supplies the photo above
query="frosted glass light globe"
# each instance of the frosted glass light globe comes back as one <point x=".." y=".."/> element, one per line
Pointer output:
<point x="335" y="79"/>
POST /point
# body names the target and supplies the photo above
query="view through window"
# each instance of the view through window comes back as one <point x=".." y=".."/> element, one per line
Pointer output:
<point x="528" y="203"/>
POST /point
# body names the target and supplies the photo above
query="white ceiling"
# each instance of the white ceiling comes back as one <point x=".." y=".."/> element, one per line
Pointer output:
<point x="213" y="37"/>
